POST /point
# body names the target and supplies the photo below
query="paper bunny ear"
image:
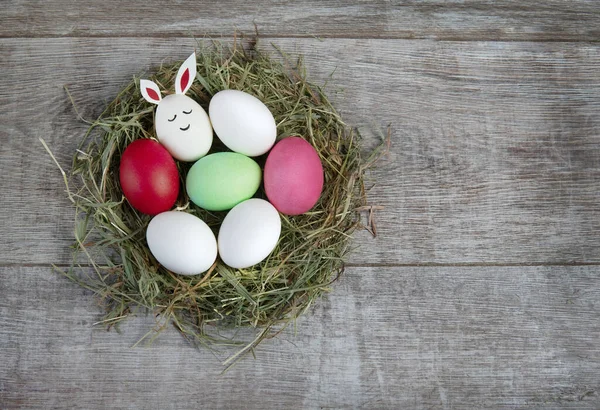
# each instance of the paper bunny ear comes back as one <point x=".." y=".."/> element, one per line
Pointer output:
<point x="186" y="75"/>
<point x="150" y="91"/>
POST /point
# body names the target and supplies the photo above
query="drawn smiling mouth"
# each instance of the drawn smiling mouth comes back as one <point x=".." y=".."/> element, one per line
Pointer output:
<point x="185" y="128"/>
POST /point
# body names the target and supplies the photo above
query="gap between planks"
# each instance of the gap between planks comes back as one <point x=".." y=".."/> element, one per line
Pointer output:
<point x="243" y="36"/>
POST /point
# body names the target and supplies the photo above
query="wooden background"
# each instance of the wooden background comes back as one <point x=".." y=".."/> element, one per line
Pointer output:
<point x="482" y="289"/>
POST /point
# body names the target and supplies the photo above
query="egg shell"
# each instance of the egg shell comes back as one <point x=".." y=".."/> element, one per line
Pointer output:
<point x="220" y="181"/>
<point x="293" y="176"/>
<point x="242" y="122"/>
<point x="249" y="233"/>
<point x="149" y="177"/>
<point x="181" y="242"/>
<point x="183" y="127"/>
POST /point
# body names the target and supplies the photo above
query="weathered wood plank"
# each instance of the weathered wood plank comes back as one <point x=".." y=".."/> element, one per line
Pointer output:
<point x="387" y="338"/>
<point x="495" y="156"/>
<point x="554" y="20"/>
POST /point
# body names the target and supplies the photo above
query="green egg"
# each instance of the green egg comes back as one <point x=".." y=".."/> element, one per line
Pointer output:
<point x="220" y="181"/>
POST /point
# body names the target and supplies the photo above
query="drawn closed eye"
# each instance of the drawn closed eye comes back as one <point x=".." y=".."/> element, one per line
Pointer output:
<point x="187" y="112"/>
<point x="173" y="118"/>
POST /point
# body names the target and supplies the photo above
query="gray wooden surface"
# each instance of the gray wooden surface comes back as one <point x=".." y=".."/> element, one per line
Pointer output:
<point x="546" y="20"/>
<point x="482" y="288"/>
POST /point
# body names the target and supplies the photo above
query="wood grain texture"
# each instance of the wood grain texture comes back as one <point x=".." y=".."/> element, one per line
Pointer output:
<point x="387" y="338"/>
<point x="495" y="160"/>
<point x="495" y="155"/>
<point x="555" y="20"/>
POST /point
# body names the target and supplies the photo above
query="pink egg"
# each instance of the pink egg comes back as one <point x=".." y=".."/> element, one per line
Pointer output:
<point x="293" y="176"/>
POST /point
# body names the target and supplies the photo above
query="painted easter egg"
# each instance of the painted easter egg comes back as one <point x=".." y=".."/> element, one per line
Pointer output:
<point x="183" y="127"/>
<point x="149" y="177"/>
<point x="293" y="176"/>
<point x="242" y="122"/>
<point x="181" y="242"/>
<point x="220" y="181"/>
<point x="249" y="233"/>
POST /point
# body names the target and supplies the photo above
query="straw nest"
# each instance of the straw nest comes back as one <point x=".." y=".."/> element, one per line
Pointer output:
<point x="111" y="255"/>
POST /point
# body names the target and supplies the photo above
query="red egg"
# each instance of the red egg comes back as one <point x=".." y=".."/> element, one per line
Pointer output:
<point x="293" y="176"/>
<point x="149" y="177"/>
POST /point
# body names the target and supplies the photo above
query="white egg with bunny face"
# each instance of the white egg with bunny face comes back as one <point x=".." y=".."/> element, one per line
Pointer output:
<point x="182" y="125"/>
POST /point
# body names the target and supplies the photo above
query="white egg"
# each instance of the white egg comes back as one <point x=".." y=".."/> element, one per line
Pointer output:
<point x="249" y="233"/>
<point x="183" y="127"/>
<point x="242" y="122"/>
<point x="181" y="242"/>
